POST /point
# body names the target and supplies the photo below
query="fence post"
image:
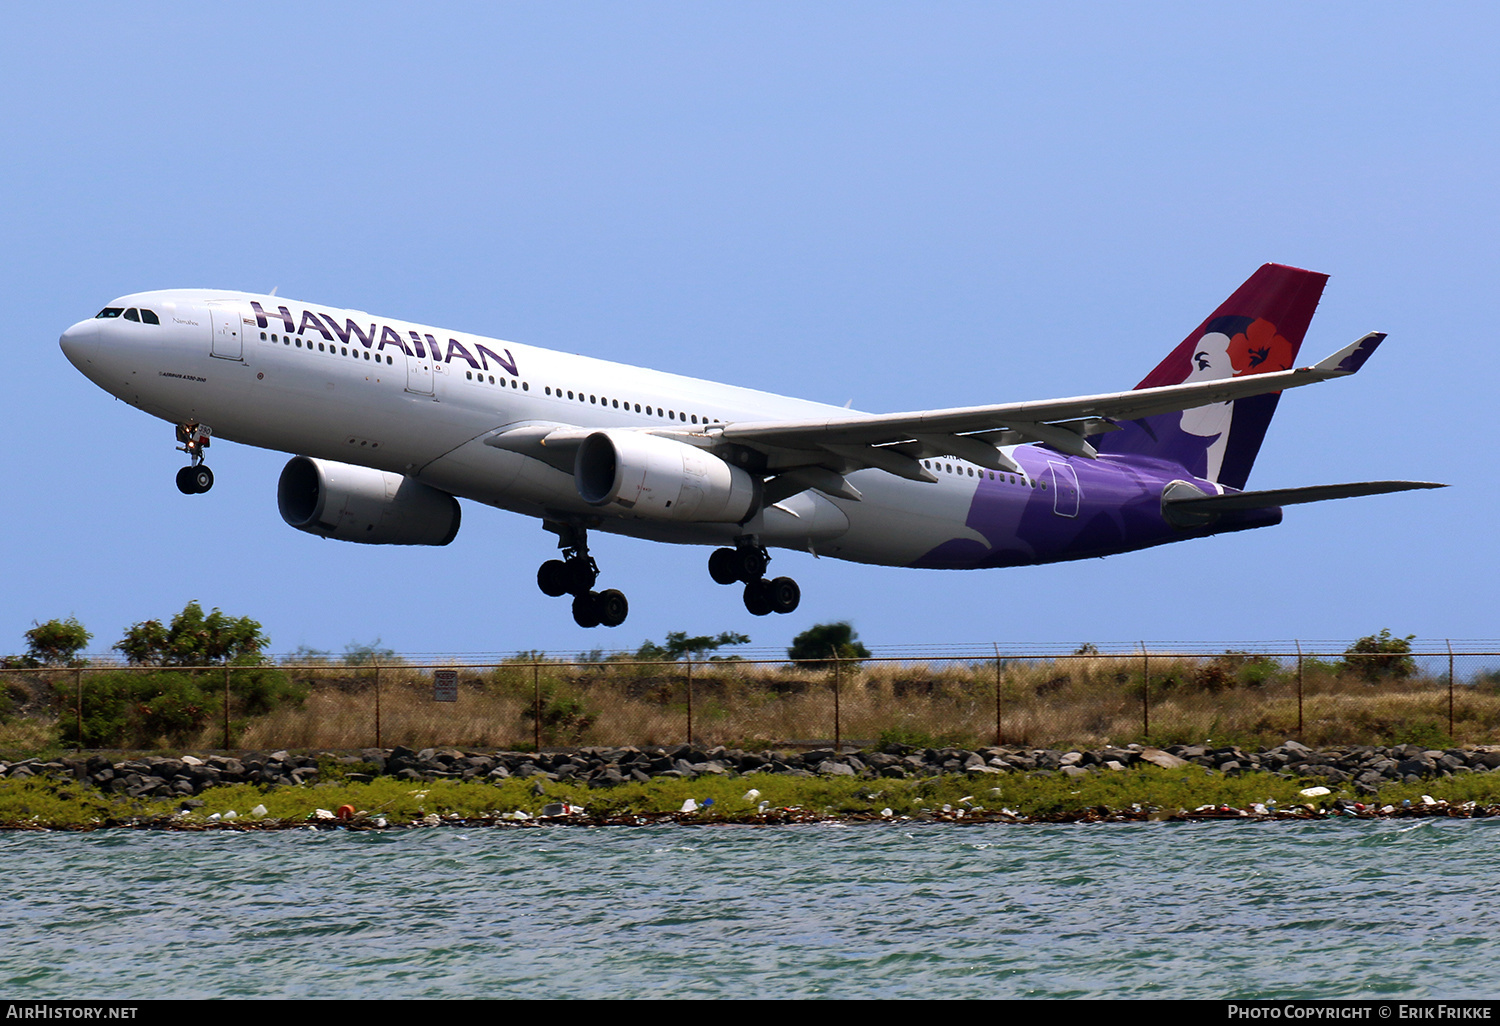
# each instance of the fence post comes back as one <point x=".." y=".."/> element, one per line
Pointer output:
<point x="836" y="732"/>
<point x="999" y="734"/>
<point x="78" y="690"/>
<point x="536" y="705"/>
<point x="1145" y="694"/>
<point x="1451" y="739"/>
<point x="690" y="700"/>
<point x="1299" y="691"/>
<point x="377" y="706"/>
<point x="226" y="707"/>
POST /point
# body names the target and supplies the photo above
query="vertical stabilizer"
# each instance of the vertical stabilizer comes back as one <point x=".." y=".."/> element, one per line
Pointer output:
<point x="1258" y="329"/>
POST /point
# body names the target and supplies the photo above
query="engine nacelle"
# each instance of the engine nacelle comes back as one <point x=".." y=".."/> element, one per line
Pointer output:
<point x="655" y="478"/>
<point x="336" y="500"/>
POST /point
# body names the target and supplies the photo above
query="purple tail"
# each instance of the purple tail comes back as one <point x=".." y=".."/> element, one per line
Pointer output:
<point x="1257" y="329"/>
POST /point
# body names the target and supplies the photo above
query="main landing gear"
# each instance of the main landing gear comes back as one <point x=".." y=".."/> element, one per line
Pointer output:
<point x="747" y="562"/>
<point x="195" y="478"/>
<point x="575" y="575"/>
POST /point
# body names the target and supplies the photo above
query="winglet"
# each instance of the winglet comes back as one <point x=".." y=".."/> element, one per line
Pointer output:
<point x="1353" y="356"/>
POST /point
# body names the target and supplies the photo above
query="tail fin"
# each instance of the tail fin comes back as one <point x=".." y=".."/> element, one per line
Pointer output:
<point x="1257" y="329"/>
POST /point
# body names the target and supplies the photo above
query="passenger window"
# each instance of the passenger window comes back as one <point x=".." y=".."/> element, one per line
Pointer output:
<point x="149" y="316"/>
<point x="109" y="312"/>
<point x="131" y="315"/>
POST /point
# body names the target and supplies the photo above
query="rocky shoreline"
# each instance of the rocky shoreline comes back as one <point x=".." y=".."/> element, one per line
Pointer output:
<point x="1361" y="770"/>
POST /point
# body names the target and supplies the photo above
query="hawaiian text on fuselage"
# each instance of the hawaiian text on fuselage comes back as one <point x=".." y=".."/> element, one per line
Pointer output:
<point x="381" y="335"/>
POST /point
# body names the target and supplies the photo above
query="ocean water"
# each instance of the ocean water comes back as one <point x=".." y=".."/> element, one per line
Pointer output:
<point x="1333" y="909"/>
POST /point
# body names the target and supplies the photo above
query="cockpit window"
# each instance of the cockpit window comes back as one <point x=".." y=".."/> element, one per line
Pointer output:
<point x="108" y="312"/>
<point x="149" y="316"/>
<point x="131" y="315"/>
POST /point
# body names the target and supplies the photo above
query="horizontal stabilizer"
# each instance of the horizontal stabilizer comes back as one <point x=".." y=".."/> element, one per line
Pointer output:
<point x="1292" y="496"/>
<point x="1353" y="356"/>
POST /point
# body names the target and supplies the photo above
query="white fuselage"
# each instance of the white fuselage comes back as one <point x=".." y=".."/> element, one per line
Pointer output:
<point x="346" y="386"/>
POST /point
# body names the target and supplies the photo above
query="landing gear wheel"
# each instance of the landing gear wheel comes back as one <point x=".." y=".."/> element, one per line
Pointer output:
<point x="185" y="483"/>
<point x="586" y="609"/>
<point x="553" y="577"/>
<point x="581" y="575"/>
<point x="612" y="607"/>
<point x="758" y="597"/>
<point x="202" y="477"/>
<point x="724" y="566"/>
<point x="784" y="595"/>
<point x="752" y="562"/>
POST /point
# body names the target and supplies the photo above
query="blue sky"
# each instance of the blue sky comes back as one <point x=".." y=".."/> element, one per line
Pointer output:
<point x="904" y="206"/>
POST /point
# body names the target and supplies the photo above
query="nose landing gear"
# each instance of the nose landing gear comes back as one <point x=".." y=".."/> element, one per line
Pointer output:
<point x="747" y="562"/>
<point x="195" y="478"/>
<point x="575" y="575"/>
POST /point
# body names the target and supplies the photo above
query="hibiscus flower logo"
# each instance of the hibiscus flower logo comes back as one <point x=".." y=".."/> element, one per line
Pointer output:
<point x="1259" y="349"/>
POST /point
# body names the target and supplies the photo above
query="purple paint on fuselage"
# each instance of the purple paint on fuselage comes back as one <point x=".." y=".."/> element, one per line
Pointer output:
<point x="1119" y="510"/>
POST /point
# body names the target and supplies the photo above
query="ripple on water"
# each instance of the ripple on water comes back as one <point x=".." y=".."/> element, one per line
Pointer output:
<point x="886" y="910"/>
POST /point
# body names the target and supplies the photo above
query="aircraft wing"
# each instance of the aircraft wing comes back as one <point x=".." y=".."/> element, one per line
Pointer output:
<point x="896" y="442"/>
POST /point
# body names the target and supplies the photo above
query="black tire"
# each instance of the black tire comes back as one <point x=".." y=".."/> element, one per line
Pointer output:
<point x="612" y="608"/>
<point x="185" y="483"/>
<point x="586" y="609"/>
<point x="785" y="595"/>
<point x="758" y="597"/>
<point x="752" y="563"/>
<point x="581" y="576"/>
<point x="203" y="479"/>
<point x="553" y="578"/>
<point x="724" y="566"/>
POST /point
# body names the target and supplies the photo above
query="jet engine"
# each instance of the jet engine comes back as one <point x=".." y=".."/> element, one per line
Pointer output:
<point x="656" y="478"/>
<point x="336" y="500"/>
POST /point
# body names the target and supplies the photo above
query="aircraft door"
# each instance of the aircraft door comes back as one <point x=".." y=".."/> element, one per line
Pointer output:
<point x="1065" y="492"/>
<point x="418" y="368"/>
<point x="228" y="340"/>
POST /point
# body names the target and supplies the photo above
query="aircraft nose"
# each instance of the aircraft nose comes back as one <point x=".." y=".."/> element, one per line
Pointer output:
<point x="79" y="340"/>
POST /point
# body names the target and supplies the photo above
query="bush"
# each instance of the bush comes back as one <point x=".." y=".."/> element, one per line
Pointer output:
<point x="166" y="707"/>
<point x="193" y="639"/>
<point x="678" y="644"/>
<point x="1380" y="657"/>
<point x="54" y="643"/>
<point x="564" y="715"/>
<point x="817" y="647"/>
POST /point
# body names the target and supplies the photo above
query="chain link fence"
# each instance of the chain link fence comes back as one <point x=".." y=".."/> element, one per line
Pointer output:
<point x="1078" y="700"/>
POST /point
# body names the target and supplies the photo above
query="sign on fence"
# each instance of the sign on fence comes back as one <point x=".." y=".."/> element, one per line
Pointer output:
<point x="445" y="685"/>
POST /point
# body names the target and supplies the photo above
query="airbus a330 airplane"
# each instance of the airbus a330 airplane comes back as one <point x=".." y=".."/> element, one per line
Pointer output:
<point x="389" y="421"/>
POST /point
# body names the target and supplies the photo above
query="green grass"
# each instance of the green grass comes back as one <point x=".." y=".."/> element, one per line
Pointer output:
<point x="39" y="803"/>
